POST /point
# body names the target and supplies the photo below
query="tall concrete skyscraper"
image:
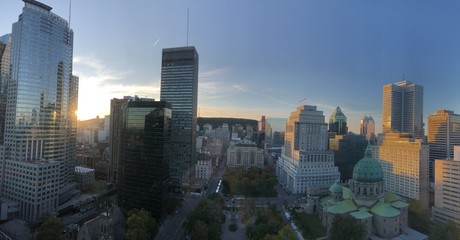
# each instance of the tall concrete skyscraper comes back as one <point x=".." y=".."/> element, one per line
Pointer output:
<point x="367" y="128"/>
<point x="179" y="87"/>
<point x="403" y="108"/>
<point x="305" y="162"/>
<point x="40" y="112"/>
<point x="443" y="135"/>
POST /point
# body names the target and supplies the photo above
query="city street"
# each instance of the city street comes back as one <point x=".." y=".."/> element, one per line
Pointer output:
<point x="171" y="228"/>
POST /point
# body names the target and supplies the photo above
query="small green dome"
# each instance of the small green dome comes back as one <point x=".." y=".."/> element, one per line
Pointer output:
<point x="368" y="169"/>
<point x="336" y="188"/>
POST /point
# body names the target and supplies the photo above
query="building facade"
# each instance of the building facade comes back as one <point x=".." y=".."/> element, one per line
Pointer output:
<point x="5" y="56"/>
<point x="403" y="108"/>
<point x="116" y="120"/>
<point x="179" y="87"/>
<point x="305" y="161"/>
<point x="404" y="160"/>
<point x="245" y="155"/>
<point x="443" y="135"/>
<point x="39" y="127"/>
<point x="338" y="122"/>
<point x="348" y="150"/>
<point x="446" y="205"/>
<point x="144" y="156"/>
<point x="367" y="128"/>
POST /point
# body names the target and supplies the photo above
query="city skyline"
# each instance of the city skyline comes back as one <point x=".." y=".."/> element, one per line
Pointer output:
<point x="267" y="63"/>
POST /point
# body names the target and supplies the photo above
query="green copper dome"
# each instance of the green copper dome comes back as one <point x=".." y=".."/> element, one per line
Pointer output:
<point x="368" y="169"/>
<point x="336" y="188"/>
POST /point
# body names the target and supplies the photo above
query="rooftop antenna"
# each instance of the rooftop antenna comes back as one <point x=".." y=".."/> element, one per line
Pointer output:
<point x="404" y="77"/>
<point x="187" y="23"/>
<point x="70" y="11"/>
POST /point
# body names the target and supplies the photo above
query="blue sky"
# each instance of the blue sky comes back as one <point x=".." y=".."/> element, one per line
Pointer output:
<point x="263" y="57"/>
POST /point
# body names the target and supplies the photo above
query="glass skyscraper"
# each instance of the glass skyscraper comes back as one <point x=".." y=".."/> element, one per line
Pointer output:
<point x="144" y="156"/>
<point x="338" y="122"/>
<point x="39" y="148"/>
<point x="403" y="108"/>
<point x="179" y="86"/>
<point x="443" y="135"/>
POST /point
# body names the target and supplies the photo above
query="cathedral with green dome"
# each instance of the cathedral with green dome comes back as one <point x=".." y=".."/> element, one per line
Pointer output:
<point x="382" y="213"/>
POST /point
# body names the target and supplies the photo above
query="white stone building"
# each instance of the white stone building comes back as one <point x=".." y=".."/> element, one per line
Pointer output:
<point x="203" y="169"/>
<point x="245" y="154"/>
<point x="305" y="161"/>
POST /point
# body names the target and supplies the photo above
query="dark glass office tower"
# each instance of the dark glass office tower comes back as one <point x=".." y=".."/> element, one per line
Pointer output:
<point x="144" y="156"/>
<point x="179" y="86"/>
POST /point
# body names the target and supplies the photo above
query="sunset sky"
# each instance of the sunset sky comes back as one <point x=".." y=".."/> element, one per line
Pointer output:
<point x="265" y="57"/>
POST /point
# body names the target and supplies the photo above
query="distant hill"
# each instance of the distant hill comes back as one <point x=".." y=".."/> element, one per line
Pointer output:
<point x="217" y="122"/>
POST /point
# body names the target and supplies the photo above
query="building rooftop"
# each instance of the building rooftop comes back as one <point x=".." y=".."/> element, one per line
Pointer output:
<point x="344" y="206"/>
<point x="399" y="204"/>
<point x="385" y="210"/>
<point x="336" y="188"/>
<point x="361" y="214"/>
<point x="391" y="197"/>
<point x="80" y="169"/>
<point x="38" y="4"/>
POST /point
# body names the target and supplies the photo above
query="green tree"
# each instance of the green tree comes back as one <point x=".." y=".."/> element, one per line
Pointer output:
<point x="286" y="233"/>
<point x="248" y="209"/>
<point x="418" y="216"/>
<point x="200" y="231"/>
<point x="347" y="228"/>
<point x="445" y="231"/>
<point x="208" y="212"/>
<point x="140" y="225"/>
<point x="51" y="229"/>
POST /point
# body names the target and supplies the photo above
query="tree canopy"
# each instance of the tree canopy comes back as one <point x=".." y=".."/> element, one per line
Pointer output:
<point x="310" y="225"/>
<point x="205" y="221"/>
<point x="253" y="182"/>
<point x="418" y="217"/>
<point x="445" y="231"/>
<point x="268" y="224"/>
<point x="347" y="228"/>
<point x="51" y="229"/>
<point x="140" y="225"/>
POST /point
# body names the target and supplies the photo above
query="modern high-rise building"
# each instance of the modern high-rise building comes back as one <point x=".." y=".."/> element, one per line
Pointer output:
<point x="179" y="87"/>
<point x="404" y="161"/>
<point x="348" y="150"/>
<point x="305" y="161"/>
<point x="261" y="132"/>
<point x="116" y="105"/>
<point x="443" y="135"/>
<point x="446" y="205"/>
<point x="403" y="108"/>
<point x="338" y="122"/>
<point x="144" y="156"/>
<point x="367" y="128"/>
<point x="5" y="55"/>
<point x="40" y="106"/>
